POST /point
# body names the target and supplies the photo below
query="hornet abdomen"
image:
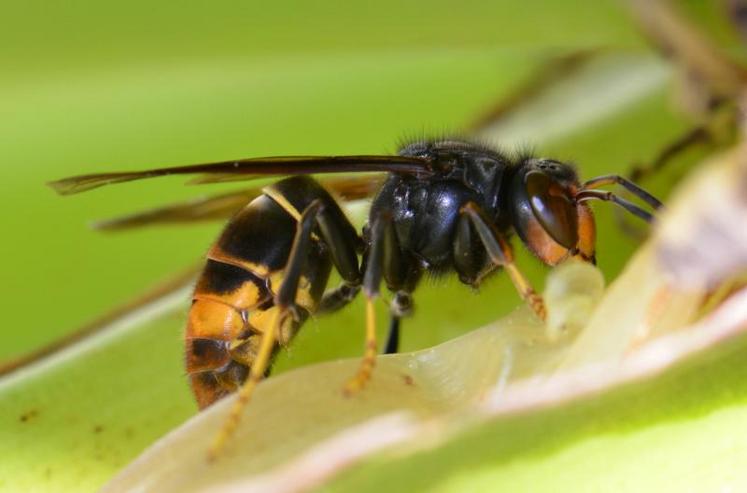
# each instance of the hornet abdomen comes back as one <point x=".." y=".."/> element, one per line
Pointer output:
<point x="233" y="302"/>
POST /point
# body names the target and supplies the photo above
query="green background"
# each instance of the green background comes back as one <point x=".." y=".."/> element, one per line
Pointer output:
<point x="88" y="86"/>
<point x="93" y="87"/>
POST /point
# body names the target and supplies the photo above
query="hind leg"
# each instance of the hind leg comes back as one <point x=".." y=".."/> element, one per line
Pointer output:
<point x="285" y="314"/>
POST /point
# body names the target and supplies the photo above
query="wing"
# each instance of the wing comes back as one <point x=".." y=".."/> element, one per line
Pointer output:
<point x="225" y="205"/>
<point x="202" y="209"/>
<point x="253" y="168"/>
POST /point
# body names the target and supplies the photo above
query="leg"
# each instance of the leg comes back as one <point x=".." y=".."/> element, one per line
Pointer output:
<point x="392" y="341"/>
<point x="468" y="253"/>
<point x="585" y="195"/>
<point x="256" y="373"/>
<point x="384" y="260"/>
<point x="500" y="253"/>
<point x="400" y="307"/>
<point x="285" y="312"/>
<point x="629" y="185"/>
<point x="339" y="297"/>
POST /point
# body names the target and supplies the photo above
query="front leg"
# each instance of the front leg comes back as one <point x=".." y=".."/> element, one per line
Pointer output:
<point x="499" y="251"/>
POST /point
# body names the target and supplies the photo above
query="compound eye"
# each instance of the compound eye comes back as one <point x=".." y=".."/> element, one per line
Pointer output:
<point x="553" y="208"/>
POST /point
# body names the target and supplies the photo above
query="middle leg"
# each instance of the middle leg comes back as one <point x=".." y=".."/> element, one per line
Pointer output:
<point x="400" y="307"/>
<point x="384" y="259"/>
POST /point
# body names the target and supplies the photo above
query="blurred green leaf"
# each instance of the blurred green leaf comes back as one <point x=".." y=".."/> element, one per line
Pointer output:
<point x="99" y="405"/>
<point x="175" y="115"/>
<point x="93" y="87"/>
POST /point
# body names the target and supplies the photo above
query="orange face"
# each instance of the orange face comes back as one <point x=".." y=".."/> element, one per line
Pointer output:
<point x="546" y="216"/>
<point x="547" y="249"/>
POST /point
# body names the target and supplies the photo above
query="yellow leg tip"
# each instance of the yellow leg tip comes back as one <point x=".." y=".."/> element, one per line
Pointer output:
<point x="216" y="448"/>
<point x="537" y="304"/>
<point x="361" y="378"/>
<point x="219" y="443"/>
<point x="245" y="392"/>
<point x="212" y="455"/>
<point x="350" y="389"/>
<point x="354" y="385"/>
